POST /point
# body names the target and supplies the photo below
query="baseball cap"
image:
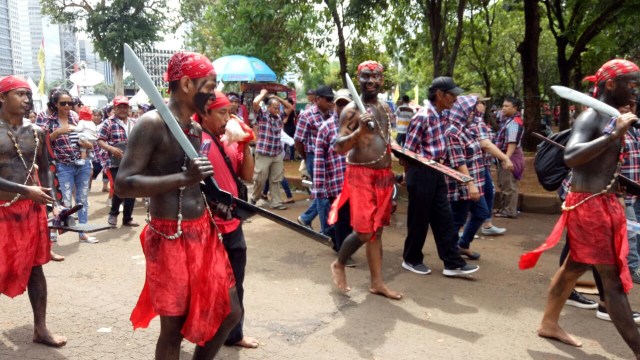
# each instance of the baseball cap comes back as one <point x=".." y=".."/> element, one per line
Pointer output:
<point x="342" y="94"/>
<point x="311" y="92"/>
<point x="445" y="83"/>
<point x="325" y="92"/>
<point x="120" y="99"/>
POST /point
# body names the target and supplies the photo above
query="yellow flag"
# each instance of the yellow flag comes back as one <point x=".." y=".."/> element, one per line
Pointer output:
<point x="41" y="63"/>
<point x="416" y="93"/>
<point x="396" y="94"/>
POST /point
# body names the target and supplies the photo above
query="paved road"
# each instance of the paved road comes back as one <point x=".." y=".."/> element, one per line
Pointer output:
<point x="295" y="313"/>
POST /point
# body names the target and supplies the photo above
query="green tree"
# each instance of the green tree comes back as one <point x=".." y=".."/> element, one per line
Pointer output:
<point x="111" y="24"/>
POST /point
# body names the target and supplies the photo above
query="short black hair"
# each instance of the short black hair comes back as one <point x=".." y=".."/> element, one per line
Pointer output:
<point x="405" y="98"/>
<point x="513" y="100"/>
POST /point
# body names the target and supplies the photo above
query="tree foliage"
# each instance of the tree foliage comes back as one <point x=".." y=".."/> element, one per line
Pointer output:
<point x="111" y="24"/>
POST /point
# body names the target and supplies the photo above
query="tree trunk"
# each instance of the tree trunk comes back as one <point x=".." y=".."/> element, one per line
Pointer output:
<point x="118" y="79"/>
<point x="528" y="50"/>
<point x="564" y="68"/>
<point x="342" y="49"/>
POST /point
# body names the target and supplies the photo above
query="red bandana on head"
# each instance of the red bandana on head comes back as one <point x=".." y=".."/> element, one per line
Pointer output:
<point x="371" y="65"/>
<point x="610" y="70"/>
<point x="220" y="101"/>
<point x="11" y="82"/>
<point x="189" y="64"/>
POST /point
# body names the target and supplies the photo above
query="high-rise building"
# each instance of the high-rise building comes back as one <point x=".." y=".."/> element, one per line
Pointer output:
<point x="68" y="51"/>
<point x="35" y="38"/>
<point x="155" y="61"/>
<point x="6" y="62"/>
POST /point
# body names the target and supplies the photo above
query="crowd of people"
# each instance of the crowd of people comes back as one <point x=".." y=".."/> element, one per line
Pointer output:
<point x="195" y="248"/>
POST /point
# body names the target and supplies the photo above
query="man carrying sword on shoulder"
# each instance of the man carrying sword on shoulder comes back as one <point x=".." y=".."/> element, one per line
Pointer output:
<point x="189" y="281"/>
<point x="592" y="212"/>
<point x="368" y="180"/>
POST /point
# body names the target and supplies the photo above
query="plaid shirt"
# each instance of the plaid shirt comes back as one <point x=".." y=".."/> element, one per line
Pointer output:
<point x="328" y="165"/>
<point x="482" y="131"/>
<point x="463" y="148"/>
<point x="631" y="166"/>
<point x="269" y="128"/>
<point x="64" y="148"/>
<point x="511" y="132"/>
<point x="425" y="135"/>
<point x="307" y="128"/>
<point x="113" y="131"/>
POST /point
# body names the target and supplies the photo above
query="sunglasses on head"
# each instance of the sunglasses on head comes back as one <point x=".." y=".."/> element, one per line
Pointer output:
<point x="66" y="103"/>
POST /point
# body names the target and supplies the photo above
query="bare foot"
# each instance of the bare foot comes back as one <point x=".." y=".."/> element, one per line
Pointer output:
<point x="56" y="257"/>
<point x="556" y="333"/>
<point x="49" y="339"/>
<point x="385" y="291"/>
<point x="247" y="342"/>
<point x="339" y="276"/>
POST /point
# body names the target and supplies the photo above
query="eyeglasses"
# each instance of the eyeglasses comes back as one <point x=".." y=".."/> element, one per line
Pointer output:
<point x="66" y="103"/>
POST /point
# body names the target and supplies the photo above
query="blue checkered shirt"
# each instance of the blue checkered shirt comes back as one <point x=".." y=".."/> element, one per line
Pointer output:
<point x="425" y="135"/>
<point x="269" y="128"/>
<point x="65" y="146"/>
<point x="482" y="131"/>
<point x="631" y="165"/>
<point x="328" y="165"/>
<point x="309" y="122"/>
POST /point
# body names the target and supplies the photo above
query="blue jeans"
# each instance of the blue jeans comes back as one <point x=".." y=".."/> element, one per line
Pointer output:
<point x="285" y="187"/>
<point x="461" y="210"/>
<point x="312" y="211"/>
<point x="72" y="177"/>
<point x="323" y="206"/>
<point x="489" y="190"/>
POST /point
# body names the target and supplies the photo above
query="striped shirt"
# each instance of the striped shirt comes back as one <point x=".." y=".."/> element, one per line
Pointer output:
<point x="425" y="134"/>
<point x="404" y="113"/>
<point x="269" y="128"/>
<point x="328" y="165"/>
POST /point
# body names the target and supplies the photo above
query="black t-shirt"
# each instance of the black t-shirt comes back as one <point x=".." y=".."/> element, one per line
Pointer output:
<point x="290" y="127"/>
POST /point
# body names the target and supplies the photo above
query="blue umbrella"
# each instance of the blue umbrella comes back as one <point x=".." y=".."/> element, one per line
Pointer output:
<point x="243" y="68"/>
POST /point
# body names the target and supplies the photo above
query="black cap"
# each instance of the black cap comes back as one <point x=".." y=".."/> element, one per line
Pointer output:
<point x="325" y="92"/>
<point x="311" y="92"/>
<point x="445" y="83"/>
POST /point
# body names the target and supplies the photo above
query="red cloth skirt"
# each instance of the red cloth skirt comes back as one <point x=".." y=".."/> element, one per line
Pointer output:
<point x="190" y="276"/>
<point x="597" y="231"/>
<point x="24" y="244"/>
<point x="369" y="192"/>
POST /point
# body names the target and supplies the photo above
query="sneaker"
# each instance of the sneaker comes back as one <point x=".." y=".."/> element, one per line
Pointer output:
<point x="421" y="268"/>
<point x="493" y="230"/>
<point x="578" y="300"/>
<point x="301" y="222"/>
<point x="113" y="220"/>
<point x="602" y="314"/>
<point x="278" y="207"/>
<point x="88" y="239"/>
<point x="465" y="270"/>
<point x="252" y="202"/>
<point x="635" y="275"/>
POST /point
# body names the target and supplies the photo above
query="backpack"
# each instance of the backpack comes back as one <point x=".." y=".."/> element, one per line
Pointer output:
<point x="549" y="161"/>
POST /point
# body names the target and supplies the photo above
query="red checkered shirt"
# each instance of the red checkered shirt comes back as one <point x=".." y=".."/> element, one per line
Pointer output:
<point x="65" y="150"/>
<point x="463" y="148"/>
<point x="425" y="135"/>
<point x="328" y="165"/>
<point x="269" y="128"/>
<point x="309" y="122"/>
<point x="113" y="131"/>
<point x="631" y="166"/>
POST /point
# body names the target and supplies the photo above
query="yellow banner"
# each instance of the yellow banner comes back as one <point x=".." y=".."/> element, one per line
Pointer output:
<point x="41" y="63"/>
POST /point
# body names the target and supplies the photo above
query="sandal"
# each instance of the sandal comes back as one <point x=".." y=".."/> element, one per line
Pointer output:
<point x="88" y="239"/>
<point x="472" y="255"/>
<point x="289" y="201"/>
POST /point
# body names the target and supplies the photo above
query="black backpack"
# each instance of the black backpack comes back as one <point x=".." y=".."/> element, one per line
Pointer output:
<point x="549" y="161"/>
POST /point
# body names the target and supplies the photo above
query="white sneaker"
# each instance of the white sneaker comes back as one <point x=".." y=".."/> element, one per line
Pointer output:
<point x="493" y="230"/>
<point x="89" y="239"/>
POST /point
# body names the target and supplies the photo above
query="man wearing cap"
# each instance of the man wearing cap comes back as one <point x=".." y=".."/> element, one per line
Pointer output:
<point x="428" y="204"/>
<point x="592" y="212"/>
<point x="305" y="142"/>
<point x="24" y="233"/>
<point x="238" y="108"/>
<point x="368" y="183"/>
<point x="113" y="138"/>
<point x="328" y="176"/>
<point x="189" y="281"/>
<point x="311" y="98"/>
<point x="269" y="156"/>
<point x="509" y="141"/>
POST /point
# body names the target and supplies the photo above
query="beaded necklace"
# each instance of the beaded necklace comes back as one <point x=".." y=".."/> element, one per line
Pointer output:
<point x="28" y="168"/>
<point x="387" y="141"/>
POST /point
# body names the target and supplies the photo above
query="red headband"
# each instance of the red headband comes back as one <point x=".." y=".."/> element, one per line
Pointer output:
<point x="610" y="70"/>
<point x="220" y="101"/>
<point x="11" y="82"/>
<point x="189" y="64"/>
<point x="371" y="65"/>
